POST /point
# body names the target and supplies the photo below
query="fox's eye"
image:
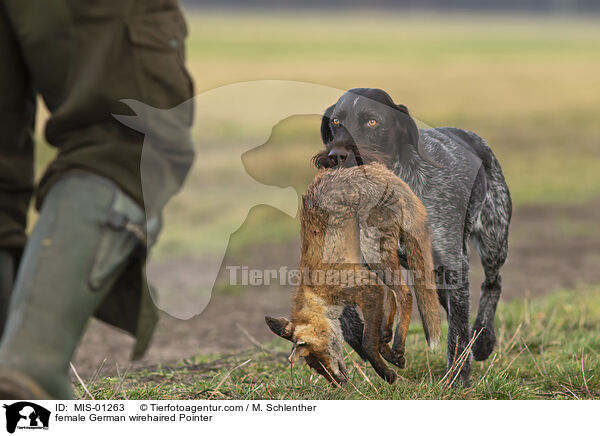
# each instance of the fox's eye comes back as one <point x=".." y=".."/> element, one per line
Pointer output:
<point x="372" y="123"/>
<point x="335" y="122"/>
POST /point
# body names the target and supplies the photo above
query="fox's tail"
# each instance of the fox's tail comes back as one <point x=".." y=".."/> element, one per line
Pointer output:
<point x="417" y="242"/>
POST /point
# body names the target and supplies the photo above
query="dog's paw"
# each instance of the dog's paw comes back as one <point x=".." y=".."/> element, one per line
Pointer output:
<point x="462" y="381"/>
<point x="484" y="345"/>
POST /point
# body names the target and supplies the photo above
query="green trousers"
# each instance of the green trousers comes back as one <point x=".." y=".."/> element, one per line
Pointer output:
<point x="83" y="58"/>
<point x="60" y="283"/>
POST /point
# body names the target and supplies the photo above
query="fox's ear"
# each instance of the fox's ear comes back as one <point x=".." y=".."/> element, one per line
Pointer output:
<point x="281" y="327"/>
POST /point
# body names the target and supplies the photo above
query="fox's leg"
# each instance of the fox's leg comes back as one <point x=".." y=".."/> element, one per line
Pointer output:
<point x="404" y="315"/>
<point x="387" y="326"/>
<point x="379" y="241"/>
<point x="389" y="316"/>
<point x="391" y="309"/>
<point x="390" y="271"/>
<point x="386" y="352"/>
<point x="371" y="304"/>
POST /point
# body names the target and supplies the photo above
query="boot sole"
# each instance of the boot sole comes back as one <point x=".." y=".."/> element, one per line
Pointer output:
<point x="14" y="385"/>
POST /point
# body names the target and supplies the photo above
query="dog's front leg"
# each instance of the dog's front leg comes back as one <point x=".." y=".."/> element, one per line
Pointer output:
<point x="353" y="329"/>
<point x="458" y="334"/>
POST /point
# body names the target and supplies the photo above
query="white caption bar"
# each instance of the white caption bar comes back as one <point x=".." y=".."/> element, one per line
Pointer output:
<point x="299" y="417"/>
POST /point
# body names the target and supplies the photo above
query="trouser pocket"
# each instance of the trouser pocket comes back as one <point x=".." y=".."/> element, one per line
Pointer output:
<point x="158" y="50"/>
<point x="123" y="232"/>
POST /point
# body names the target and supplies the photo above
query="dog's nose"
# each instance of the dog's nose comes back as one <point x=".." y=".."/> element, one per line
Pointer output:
<point x="338" y="155"/>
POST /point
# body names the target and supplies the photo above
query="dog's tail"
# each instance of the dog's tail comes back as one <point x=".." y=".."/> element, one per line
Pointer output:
<point x="417" y="241"/>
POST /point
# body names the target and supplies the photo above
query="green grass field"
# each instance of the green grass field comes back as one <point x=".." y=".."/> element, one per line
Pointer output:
<point x="547" y="348"/>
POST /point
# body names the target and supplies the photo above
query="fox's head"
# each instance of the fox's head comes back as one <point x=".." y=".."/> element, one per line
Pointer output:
<point x="318" y="341"/>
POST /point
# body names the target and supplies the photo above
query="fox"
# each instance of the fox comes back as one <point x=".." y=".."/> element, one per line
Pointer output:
<point x="350" y="224"/>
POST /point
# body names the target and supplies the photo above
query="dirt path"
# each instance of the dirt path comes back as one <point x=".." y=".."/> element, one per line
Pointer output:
<point x="551" y="247"/>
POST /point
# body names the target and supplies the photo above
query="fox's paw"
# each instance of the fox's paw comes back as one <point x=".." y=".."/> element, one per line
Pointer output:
<point x="399" y="360"/>
<point x="393" y="358"/>
<point x="389" y="375"/>
<point x="398" y="356"/>
<point x="386" y="336"/>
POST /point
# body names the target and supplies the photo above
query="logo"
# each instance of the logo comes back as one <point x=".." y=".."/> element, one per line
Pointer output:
<point x="26" y="415"/>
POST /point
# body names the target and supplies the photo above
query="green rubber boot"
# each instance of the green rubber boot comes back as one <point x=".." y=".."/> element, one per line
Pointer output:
<point x="7" y="278"/>
<point x="70" y="262"/>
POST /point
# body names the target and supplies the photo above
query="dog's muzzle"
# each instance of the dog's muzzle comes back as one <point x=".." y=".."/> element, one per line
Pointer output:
<point x="338" y="156"/>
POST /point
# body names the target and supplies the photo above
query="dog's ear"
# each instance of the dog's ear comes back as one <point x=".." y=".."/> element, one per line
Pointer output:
<point x="326" y="133"/>
<point x="402" y="108"/>
<point x="281" y="327"/>
<point x="411" y="136"/>
<point x="408" y="127"/>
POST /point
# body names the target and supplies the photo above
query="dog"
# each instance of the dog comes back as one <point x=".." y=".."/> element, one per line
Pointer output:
<point x="351" y="221"/>
<point x="460" y="181"/>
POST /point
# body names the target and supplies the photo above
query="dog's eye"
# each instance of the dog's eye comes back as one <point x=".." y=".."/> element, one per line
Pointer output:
<point x="335" y="122"/>
<point x="372" y="123"/>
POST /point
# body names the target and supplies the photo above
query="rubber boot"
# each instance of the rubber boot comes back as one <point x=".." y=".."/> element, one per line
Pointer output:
<point x="71" y="260"/>
<point x="7" y="278"/>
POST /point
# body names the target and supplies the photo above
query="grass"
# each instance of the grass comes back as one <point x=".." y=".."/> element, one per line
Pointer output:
<point x="548" y="348"/>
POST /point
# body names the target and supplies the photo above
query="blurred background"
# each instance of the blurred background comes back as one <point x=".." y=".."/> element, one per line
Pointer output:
<point x="560" y="6"/>
<point x="524" y="76"/>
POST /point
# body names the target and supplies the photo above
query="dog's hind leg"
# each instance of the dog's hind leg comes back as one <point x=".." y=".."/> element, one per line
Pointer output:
<point x="490" y="235"/>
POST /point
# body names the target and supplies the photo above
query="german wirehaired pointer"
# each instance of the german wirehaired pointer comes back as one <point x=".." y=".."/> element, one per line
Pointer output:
<point x="460" y="182"/>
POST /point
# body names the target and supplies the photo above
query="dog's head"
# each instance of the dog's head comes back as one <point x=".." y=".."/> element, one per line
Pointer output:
<point x="365" y="125"/>
<point x="318" y="342"/>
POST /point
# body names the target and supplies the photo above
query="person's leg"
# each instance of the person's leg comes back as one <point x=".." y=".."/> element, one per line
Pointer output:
<point x="17" y="114"/>
<point x="84" y="59"/>
<point x="7" y="278"/>
<point x="73" y="257"/>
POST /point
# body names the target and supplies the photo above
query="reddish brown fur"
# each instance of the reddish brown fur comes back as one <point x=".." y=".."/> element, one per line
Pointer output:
<point x="351" y="214"/>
